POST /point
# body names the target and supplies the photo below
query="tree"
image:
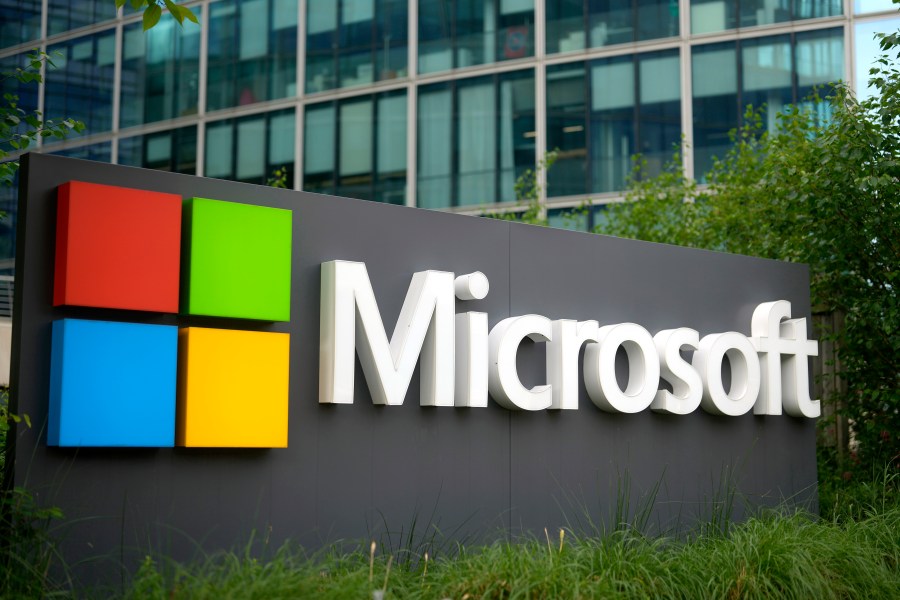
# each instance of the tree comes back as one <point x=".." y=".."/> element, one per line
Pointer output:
<point x="19" y="129"/>
<point x="819" y="190"/>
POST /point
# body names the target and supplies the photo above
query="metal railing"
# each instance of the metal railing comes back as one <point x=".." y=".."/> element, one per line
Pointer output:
<point x="7" y="287"/>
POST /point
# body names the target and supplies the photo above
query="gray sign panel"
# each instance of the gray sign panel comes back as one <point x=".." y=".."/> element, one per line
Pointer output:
<point x="358" y="471"/>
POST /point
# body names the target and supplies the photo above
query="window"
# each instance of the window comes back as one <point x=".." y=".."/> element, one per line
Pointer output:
<point x="357" y="148"/>
<point x="870" y="6"/>
<point x="772" y="71"/>
<point x="868" y="50"/>
<point x="476" y="136"/>
<point x="251" y="148"/>
<point x="355" y="43"/>
<point x="160" y="72"/>
<point x="81" y="85"/>
<point x="576" y="25"/>
<point x="462" y="33"/>
<point x="27" y="93"/>
<point x="718" y="15"/>
<point x="174" y="150"/>
<point x="20" y="21"/>
<point x="602" y="112"/>
<point x="64" y="15"/>
<point x="577" y="218"/>
<point x="101" y="152"/>
<point x="252" y="52"/>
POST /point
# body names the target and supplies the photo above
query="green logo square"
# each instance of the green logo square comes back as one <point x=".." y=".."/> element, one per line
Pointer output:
<point x="237" y="260"/>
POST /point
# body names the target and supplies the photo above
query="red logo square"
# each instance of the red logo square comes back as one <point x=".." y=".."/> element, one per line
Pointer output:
<point x="117" y="248"/>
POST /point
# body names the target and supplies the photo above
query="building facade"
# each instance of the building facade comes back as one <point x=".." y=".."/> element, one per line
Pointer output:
<point x="432" y="103"/>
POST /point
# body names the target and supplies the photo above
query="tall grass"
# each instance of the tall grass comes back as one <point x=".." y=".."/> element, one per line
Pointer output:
<point x="773" y="556"/>
<point x="852" y="551"/>
<point x="777" y="554"/>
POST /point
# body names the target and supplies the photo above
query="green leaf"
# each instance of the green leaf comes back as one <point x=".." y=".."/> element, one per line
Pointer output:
<point x="151" y="16"/>
<point x="175" y="11"/>
<point x="189" y="14"/>
<point x="137" y="4"/>
<point x="120" y="4"/>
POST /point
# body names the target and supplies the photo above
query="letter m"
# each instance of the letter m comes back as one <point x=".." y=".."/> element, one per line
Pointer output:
<point x="350" y="321"/>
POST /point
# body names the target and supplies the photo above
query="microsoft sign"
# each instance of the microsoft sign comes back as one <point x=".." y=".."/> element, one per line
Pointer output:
<point x="201" y="359"/>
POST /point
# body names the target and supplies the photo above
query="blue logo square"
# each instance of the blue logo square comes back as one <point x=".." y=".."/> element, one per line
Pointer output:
<point x="112" y="384"/>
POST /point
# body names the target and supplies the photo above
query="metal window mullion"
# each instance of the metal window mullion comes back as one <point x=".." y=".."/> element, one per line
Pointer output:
<point x="202" y="66"/>
<point x="586" y="7"/>
<point x="373" y="147"/>
<point x="540" y="97"/>
<point x="454" y="144"/>
<point x="300" y="92"/>
<point x="588" y="126"/>
<point x="540" y="128"/>
<point x="117" y="94"/>
<point x="636" y="91"/>
<point x="299" y="116"/>
<point x="685" y="58"/>
<point x="739" y="59"/>
<point x="412" y="102"/>
<point x="336" y="156"/>
<point x="850" y="53"/>
<point x="795" y="76"/>
<point x="498" y="164"/>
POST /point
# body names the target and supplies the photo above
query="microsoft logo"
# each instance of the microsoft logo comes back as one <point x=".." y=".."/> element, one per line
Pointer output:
<point x="120" y="383"/>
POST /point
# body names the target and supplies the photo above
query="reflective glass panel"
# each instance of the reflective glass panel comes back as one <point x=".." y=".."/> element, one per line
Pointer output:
<point x="435" y="146"/>
<point x="160" y="72"/>
<point x="101" y="152"/>
<point x="716" y="105"/>
<point x="355" y="42"/>
<point x="461" y="33"/>
<point x="26" y="93"/>
<point x="601" y="113"/>
<point x="819" y="57"/>
<point x="577" y="218"/>
<point x="174" y="150"/>
<point x="767" y="76"/>
<point x="319" y="131"/>
<point x="868" y="6"/>
<point x="252" y="52"/>
<point x="575" y="25"/>
<point x="81" y="85"/>
<point x="9" y="202"/>
<point x="867" y="50"/>
<point x="718" y="15"/>
<point x="567" y="96"/>
<point x="765" y="12"/>
<point x="20" y="21"/>
<point x="713" y="15"/>
<point x="251" y="148"/>
<point x="64" y="15"/>
<point x="811" y="9"/>
<point x="357" y="148"/>
<point x="775" y="72"/>
<point x="476" y="136"/>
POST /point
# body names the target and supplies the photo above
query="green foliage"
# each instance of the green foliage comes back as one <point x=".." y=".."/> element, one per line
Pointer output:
<point x="278" y="178"/>
<point x="821" y="189"/>
<point x="20" y="129"/>
<point x="152" y="10"/>
<point x="27" y="549"/>
<point x="770" y="556"/>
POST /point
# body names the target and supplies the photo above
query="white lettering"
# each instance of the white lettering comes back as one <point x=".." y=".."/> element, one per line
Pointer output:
<point x="349" y="314"/>
<point x="503" y="380"/>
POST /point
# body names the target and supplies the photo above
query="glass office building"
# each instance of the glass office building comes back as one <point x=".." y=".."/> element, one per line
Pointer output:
<point x="440" y="104"/>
